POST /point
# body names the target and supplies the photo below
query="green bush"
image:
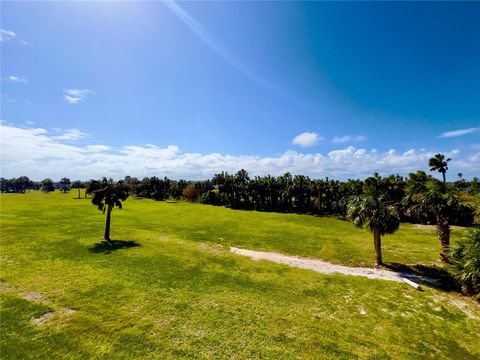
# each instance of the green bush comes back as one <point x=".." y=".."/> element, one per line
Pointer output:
<point x="466" y="263"/>
<point x="212" y="197"/>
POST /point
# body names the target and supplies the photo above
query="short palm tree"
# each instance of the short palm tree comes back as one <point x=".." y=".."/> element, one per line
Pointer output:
<point x="466" y="263"/>
<point x="380" y="217"/>
<point x="77" y="184"/>
<point x="438" y="163"/>
<point x="106" y="195"/>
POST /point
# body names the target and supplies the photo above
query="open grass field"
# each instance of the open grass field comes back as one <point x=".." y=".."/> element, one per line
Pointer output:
<point x="172" y="289"/>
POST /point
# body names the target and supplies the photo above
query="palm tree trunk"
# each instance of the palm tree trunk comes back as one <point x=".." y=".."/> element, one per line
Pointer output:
<point x="444" y="178"/>
<point x="78" y="189"/>
<point x="443" y="234"/>
<point x="107" y="224"/>
<point x="377" y="240"/>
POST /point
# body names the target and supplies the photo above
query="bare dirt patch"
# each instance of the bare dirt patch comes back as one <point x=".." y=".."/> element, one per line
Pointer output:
<point x="6" y="288"/>
<point x="319" y="266"/>
<point x="59" y="317"/>
<point x="466" y="308"/>
<point x="33" y="296"/>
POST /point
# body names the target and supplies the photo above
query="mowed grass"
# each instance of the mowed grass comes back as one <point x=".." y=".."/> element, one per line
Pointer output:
<point x="175" y="291"/>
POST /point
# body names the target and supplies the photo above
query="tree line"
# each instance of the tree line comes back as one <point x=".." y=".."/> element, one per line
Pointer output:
<point x="294" y="193"/>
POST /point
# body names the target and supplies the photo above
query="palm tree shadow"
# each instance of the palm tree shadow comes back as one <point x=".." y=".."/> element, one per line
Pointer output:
<point x="107" y="247"/>
<point x="429" y="276"/>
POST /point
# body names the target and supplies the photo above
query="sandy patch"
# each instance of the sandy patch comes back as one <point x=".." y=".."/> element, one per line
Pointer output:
<point x="466" y="308"/>
<point x="59" y="317"/>
<point x="319" y="266"/>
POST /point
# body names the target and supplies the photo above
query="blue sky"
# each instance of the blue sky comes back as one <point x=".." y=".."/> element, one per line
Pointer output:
<point x="190" y="88"/>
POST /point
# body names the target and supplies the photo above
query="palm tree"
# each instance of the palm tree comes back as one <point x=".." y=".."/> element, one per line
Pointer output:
<point x="438" y="163"/>
<point x="377" y="215"/>
<point x="77" y="184"/>
<point x="106" y="196"/>
<point x="91" y="186"/>
<point x="438" y="200"/>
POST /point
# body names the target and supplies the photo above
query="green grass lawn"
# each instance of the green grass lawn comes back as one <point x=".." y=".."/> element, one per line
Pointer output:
<point x="174" y="290"/>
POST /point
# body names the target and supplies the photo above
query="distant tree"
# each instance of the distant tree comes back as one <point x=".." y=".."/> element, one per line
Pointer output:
<point x="181" y="185"/>
<point x="106" y="196"/>
<point x="190" y="193"/>
<point x="3" y="185"/>
<point x="438" y="163"/>
<point x="460" y="175"/>
<point x="22" y="183"/>
<point x="240" y="184"/>
<point x="47" y="185"/>
<point x="65" y="184"/>
<point x="475" y="186"/>
<point x="374" y="211"/>
<point x="16" y="185"/>
<point x="133" y="184"/>
<point x="301" y="192"/>
<point x="77" y="184"/>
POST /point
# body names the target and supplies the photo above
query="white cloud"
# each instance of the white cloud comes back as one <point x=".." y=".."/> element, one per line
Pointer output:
<point x="307" y="139"/>
<point x="461" y="132"/>
<point x="72" y="99"/>
<point x="39" y="153"/>
<point x="348" y="138"/>
<point x="74" y="96"/>
<point x="7" y="35"/>
<point x="17" y="79"/>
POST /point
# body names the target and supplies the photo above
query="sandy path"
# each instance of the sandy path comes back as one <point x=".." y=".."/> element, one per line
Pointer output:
<point x="319" y="266"/>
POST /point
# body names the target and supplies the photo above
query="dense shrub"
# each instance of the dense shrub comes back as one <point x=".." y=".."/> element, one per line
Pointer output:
<point x="212" y="197"/>
<point x="466" y="263"/>
<point x="190" y="193"/>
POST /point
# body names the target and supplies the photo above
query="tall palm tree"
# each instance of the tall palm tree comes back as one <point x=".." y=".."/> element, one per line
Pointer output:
<point x="377" y="215"/>
<point x="106" y="196"/>
<point x="438" y="163"/>
<point x="438" y="200"/>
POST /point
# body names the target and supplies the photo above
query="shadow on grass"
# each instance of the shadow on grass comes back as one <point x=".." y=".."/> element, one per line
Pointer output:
<point x="429" y="276"/>
<point x="107" y="247"/>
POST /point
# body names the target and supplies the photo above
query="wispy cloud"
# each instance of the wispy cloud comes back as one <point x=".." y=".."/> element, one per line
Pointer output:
<point x="17" y="79"/>
<point x="75" y="96"/>
<point x="348" y="138"/>
<point x="216" y="46"/>
<point x="307" y="139"/>
<point x="40" y="153"/>
<point x="98" y="148"/>
<point x="7" y="35"/>
<point x="461" y="132"/>
<point x="69" y="135"/>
